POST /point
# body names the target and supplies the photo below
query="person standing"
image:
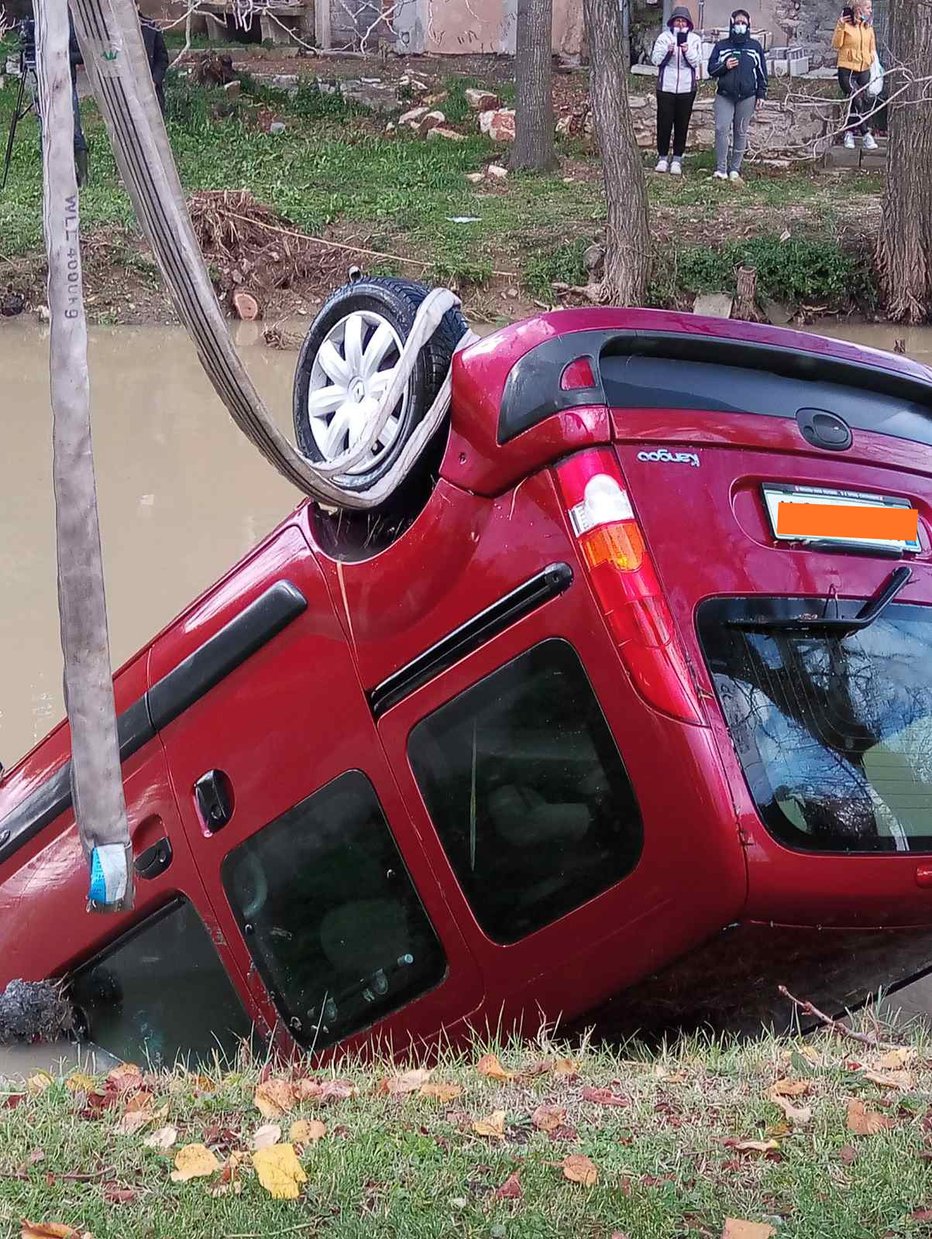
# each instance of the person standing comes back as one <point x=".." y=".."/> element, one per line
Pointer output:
<point x="157" y="54"/>
<point x="677" y="53"/>
<point x="856" y="45"/>
<point x="27" y="27"/>
<point x="739" y="66"/>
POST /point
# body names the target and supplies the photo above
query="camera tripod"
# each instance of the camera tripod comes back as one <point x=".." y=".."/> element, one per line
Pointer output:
<point x="21" y="110"/>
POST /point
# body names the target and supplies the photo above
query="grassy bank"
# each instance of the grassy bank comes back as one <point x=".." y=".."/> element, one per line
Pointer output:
<point x="335" y="174"/>
<point x="816" y="1140"/>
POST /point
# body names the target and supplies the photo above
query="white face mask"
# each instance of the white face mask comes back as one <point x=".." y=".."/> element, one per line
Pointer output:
<point x="740" y="28"/>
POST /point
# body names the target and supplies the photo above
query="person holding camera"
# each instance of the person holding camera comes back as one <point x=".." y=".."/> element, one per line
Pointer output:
<point x="856" y="45"/>
<point x="739" y="66"/>
<point x="677" y="53"/>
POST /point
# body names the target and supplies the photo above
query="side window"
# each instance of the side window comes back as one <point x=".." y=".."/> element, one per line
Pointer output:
<point x="330" y="914"/>
<point x="528" y="793"/>
<point x="161" y="993"/>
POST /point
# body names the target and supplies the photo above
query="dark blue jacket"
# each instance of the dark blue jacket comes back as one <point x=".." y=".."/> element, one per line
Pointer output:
<point x="749" y="79"/>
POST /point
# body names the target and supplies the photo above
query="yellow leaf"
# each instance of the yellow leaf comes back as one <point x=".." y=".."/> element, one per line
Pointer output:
<point x="409" y="1082"/>
<point x="579" y="1169"/>
<point x="202" y="1084"/>
<point x="442" y="1092"/>
<point x="864" y="1122"/>
<point x="47" y="1230"/>
<point x="194" y="1161"/>
<point x="549" y="1118"/>
<point x="671" y="1077"/>
<point x="895" y="1060"/>
<point x="307" y="1131"/>
<point x="265" y="1136"/>
<point x="80" y="1082"/>
<point x="790" y="1088"/>
<point x="492" y="1127"/>
<point x="566" y="1067"/>
<point x="756" y="1146"/>
<point x="279" y="1171"/>
<point x="490" y="1067"/>
<point x="799" y="1116"/>
<point x="890" y="1079"/>
<point x="39" y="1082"/>
<point x="737" y="1228"/>
<point x="274" y="1098"/>
<point x="163" y="1139"/>
<point x="133" y="1121"/>
<point x="124" y="1078"/>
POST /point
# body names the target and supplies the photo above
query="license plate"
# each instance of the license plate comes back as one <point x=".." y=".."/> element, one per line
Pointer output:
<point x="812" y="514"/>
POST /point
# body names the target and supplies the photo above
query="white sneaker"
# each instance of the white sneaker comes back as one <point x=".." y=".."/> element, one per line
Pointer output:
<point x="734" y="176"/>
<point x="849" y="141"/>
<point x="719" y="176"/>
<point x="676" y="168"/>
<point x="662" y="166"/>
<point x="870" y="142"/>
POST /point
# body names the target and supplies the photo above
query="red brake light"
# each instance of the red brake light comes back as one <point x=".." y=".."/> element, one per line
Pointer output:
<point x="578" y="375"/>
<point x="619" y="567"/>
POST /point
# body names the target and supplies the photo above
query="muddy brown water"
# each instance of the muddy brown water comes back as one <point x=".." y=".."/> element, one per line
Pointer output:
<point x="182" y="496"/>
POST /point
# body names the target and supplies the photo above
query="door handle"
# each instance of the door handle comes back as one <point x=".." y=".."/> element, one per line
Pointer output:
<point x="154" y="860"/>
<point x="213" y="793"/>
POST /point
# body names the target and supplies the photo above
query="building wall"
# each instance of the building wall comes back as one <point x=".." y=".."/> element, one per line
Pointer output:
<point x="483" y="27"/>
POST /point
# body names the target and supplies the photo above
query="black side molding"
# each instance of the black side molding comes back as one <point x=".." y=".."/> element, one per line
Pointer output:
<point x="201" y="671"/>
<point x="469" y="636"/>
<point x="678" y="370"/>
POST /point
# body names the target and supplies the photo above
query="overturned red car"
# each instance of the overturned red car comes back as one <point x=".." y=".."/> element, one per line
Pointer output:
<point x="643" y="652"/>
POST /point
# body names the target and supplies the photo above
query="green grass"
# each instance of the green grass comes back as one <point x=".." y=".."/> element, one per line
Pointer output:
<point x="412" y="1166"/>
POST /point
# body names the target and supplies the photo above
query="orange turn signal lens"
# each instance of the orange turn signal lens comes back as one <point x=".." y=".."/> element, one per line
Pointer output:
<point x="620" y="544"/>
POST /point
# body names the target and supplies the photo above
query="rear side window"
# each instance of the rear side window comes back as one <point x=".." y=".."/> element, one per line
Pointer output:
<point x="528" y="793"/>
<point x="161" y="994"/>
<point x="331" y="916"/>
<point x="834" y="734"/>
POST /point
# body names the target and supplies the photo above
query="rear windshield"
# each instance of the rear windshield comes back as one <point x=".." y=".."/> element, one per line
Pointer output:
<point x="834" y="733"/>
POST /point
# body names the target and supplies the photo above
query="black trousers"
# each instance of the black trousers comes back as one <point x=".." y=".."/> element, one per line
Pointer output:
<point x="673" y="116"/>
<point x="854" y="87"/>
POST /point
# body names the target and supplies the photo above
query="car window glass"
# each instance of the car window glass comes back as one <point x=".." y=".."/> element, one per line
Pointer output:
<point x="331" y="916"/>
<point x="161" y="993"/>
<point x="528" y="792"/>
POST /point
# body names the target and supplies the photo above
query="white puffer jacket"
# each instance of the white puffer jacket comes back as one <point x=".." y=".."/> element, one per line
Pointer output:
<point x="678" y="62"/>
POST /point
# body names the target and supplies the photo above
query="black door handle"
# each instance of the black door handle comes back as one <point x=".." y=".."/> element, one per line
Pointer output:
<point x="214" y="795"/>
<point x="154" y="860"/>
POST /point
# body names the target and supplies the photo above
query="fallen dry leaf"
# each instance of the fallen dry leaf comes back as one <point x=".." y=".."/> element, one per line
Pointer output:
<point x="124" y="1078"/>
<point x="604" y="1097"/>
<point x="896" y="1060"/>
<point x="229" y="1182"/>
<point x="511" y="1189"/>
<point x="133" y="1121"/>
<point x="307" y="1131"/>
<point x="202" y="1084"/>
<point x="902" y="1080"/>
<point x="274" y="1098"/>
<point x="279" y="1171"/>
<point x="47" y="1230"/>
<point x="489" y="1066"/>
<point x="39" y="1082"/>
<point x="921" y="1215"/>
<point x="9" y="1101"/>
<point x="789" y="1088"/>
<point x="441" y="1092"/>
<point x="864" y="1122"/>
<point x="163" y="1139"/>
<point x="756" y="1146"/>
<point x="409" y="1082"/>
<point x="493" y="1127"/>
<point x="799" y="1116"/>
<point x="848" y="1154"/>
<point x="580" y="1169"/>
<point x="324" y="1090"/>
<point x="268" y="1134"/>
<point x="549" y="1118"/>
<point x="194" y="1161"/>
<point x="116" y="1195"/>
<point x="566" y="1067"/>
<point x="737" y="1228"/>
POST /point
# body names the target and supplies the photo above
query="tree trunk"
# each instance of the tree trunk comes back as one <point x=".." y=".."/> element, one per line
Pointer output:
<point x="905" y="247"/>
<point x="534" y="141"/>
<point x="627" y="236"/>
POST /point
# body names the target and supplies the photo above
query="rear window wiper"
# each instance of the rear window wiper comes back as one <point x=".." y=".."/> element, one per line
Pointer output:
<point x="834" y="625"/>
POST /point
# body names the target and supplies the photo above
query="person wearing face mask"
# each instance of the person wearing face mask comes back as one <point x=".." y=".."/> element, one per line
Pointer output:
<point x="677" y="53"/>
<point x="739" y="66"/>
<point x="856" y="45"/>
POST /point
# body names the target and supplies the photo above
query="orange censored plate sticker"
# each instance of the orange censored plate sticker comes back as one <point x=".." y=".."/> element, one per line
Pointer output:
<point x="847" y="520"/>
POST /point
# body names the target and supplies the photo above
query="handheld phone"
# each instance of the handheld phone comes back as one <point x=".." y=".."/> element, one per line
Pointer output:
<point x="681" y="36"/>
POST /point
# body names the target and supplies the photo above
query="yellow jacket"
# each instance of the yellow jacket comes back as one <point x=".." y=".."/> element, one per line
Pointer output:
<point x="856" y="45"/>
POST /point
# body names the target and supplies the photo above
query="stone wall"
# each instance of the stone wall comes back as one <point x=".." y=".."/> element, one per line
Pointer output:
<point x="778" y="131"/>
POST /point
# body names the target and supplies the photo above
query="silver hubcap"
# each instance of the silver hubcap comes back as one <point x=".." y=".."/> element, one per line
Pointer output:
<point x="353" y="367"/>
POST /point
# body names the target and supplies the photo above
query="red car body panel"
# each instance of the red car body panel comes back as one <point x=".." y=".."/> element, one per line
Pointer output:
<point x="301" y="710"/>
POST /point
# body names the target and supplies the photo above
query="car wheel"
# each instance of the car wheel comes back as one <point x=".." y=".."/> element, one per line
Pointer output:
<point x="346" y="363"/>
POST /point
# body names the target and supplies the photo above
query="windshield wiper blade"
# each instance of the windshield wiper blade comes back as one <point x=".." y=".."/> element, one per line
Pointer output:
<point x="834" y="625"/>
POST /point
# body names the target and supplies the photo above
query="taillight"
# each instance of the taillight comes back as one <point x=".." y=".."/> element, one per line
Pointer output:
<point x="619" y="566"/>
